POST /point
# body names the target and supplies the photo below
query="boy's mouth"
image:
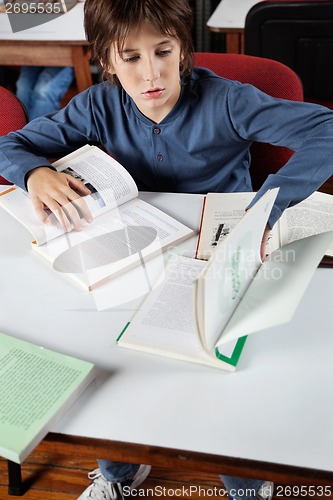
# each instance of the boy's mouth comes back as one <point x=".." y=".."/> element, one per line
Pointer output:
<point x="153" y="93"/>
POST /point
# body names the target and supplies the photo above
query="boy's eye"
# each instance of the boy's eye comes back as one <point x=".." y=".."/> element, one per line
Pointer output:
<point x="164" y="53"/>
<point x="131" y="59"/>
<point x="160" y="53"/>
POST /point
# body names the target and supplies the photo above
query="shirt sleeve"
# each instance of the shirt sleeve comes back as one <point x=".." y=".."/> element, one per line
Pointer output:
<point x="48" y="137"/>
<point x="305" y="128"/>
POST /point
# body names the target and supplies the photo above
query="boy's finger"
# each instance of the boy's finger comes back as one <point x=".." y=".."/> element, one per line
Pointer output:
<point x="59" y="213"/>
<point x="80" y="204"/>
<point x="77" y="200"/>
<point x="77" y="184"/>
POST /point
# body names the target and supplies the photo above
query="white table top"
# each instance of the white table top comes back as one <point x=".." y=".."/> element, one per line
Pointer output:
<point x="68" y="27"/>
<point x="230" y="14"/>
<point x="277" y="407"/>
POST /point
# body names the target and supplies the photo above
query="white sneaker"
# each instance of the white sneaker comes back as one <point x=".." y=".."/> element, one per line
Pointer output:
<point x="265" y="491"/>
<point x="102" y="489"/>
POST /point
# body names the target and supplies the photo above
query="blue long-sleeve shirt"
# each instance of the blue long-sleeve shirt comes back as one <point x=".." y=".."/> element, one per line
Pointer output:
<point x="201" y="146"/>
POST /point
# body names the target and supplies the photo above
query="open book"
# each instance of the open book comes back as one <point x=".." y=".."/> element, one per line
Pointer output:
<point x="126" y="230"/>
<point x="222" y="211"/>
<point x="37" y="386"/>
<point x="202" y="311"/>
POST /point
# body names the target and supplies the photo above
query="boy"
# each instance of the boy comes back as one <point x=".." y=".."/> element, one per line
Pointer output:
<point x="175" y="129"/>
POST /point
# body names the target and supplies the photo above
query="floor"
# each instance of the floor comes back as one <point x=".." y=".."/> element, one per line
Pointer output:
<point x="53" y="473"/>
<point x="59" y="476"/>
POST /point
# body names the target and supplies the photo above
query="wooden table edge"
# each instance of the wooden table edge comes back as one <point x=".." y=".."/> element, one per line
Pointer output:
<point x="188" y="460"/>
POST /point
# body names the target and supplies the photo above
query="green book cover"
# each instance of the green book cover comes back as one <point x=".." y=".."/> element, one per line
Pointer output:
<point x="237" y="351"/>
<point x="37" y="386"/>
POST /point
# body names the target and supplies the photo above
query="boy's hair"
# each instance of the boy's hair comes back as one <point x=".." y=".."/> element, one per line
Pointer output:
<point x="111" y="21"/>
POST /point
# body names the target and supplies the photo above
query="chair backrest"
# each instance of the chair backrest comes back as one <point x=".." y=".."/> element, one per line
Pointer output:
<point x="271" y="77"/>
<point x="12" y="115"/>
<point x="298" y="33"/>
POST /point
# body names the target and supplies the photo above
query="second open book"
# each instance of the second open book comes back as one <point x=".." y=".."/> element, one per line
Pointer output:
<point x="202" y="311"/>
<point x="222" y="211"/>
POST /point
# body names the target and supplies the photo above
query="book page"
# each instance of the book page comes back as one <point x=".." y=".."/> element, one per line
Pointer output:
<point x="221" y="213"/>
<point x="110" y="185"/>
<point x="18" y="204"/>
<point x="109" y="182"/>
<point x="229" y="271"/>
<point x="165" y="323"/>
<point x="311" y="216"/>
<point x="117" y="241"/>
<point x="35" y="383"/>
<point x="273" y="297"/>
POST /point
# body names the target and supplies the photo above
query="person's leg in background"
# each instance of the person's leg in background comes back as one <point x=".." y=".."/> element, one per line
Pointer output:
<point x="46" y="91"/>
<point x="109" y="480"/>
<point x="25" y="85"/>
<point x="117" y="472"/>
<point x="241" y="488"/>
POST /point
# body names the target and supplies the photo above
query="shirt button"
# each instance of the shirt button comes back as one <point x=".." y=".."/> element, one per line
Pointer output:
<point x="160" y="157"/>
<point x="156" y="131"/>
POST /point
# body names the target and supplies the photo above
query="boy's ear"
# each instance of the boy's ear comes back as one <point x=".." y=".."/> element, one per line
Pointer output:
<point x="181" y="62"/>
<point x="107" y="68"/>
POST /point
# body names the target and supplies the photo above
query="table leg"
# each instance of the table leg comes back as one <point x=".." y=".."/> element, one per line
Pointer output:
<point x="80" y="57"/>
<point x="15" y="484"/>
<point x="234" y="43"/>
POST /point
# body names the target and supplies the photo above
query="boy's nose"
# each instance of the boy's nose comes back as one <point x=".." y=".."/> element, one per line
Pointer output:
<point x="151" y="72"/>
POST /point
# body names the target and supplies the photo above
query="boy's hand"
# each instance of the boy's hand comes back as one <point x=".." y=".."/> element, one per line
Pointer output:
<point x="58" y="192"/>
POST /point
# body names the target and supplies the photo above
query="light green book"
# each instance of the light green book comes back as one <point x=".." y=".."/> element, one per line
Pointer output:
<point x="37" y="386"/>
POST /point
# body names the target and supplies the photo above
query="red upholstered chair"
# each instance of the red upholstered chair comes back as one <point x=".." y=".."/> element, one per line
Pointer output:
<point x="271" y="77"/>
<point x="12" y="116"/>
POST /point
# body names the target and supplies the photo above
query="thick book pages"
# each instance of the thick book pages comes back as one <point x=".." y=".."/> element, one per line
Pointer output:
<point x="232" y="267"/>
<point x="202" y="311"/>
<point x="116" y="242"/>
<point x="126" y="231"/>
<point x="174" y="319"/>
<point x="165" y="323"/>
<point x="222" y="211"/>
<point x="37" y="386"/>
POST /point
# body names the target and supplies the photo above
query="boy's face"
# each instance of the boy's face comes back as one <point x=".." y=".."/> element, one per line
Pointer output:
<point x="148" y="70"/>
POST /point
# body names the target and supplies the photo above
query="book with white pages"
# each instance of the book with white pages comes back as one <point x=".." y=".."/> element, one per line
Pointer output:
<point x="202" y="311"/>
<point x="125" y="232"/>
<point x="222" y="211"/>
